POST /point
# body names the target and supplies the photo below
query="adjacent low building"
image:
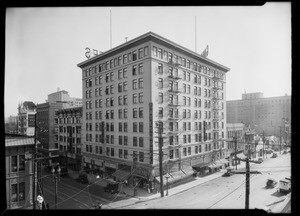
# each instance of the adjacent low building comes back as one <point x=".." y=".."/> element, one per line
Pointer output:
<point x="19" y="171"/>
<point x="26" y="118"/>
<point x="69" y="137"/>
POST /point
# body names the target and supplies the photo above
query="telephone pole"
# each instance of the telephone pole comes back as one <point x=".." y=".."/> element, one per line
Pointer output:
<point x="235" y="146"/>
<point x="247" y="184"/>
<point x="34" y="168"/>
<point x="263" y="144"/>
<point x="280" y="141"/>
<point x="160" y="144"/>
<point x="134" y="157"/>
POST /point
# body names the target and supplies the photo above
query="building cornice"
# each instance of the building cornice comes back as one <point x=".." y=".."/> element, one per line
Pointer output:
<point x="150" y="36"/>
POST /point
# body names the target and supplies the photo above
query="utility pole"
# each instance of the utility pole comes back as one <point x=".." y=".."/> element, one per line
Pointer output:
<point x="247" y="184"/>
<point x="280" y="141"/>
<point x="235" y="146"/>
<point x="134" y="162"/>
<point x="263" y="144"/>
<point x="160" y="144"/>
<point x="34" y="169"/>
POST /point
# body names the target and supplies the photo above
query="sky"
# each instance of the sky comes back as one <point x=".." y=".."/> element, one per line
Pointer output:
<point x="44" y="45"/>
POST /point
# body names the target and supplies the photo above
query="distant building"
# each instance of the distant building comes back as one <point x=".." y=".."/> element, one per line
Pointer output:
<point x="47" y="123"/>
<point x="129" y="88"/>
<point x="62" y="96"/>
<point x="11" y="125"/>
<point x="26" y="118"/>
<point x="69" y="137"/>
<point x="263" y="114"/>
<point x="235" y="140"/>
<point x="18" y="171"/>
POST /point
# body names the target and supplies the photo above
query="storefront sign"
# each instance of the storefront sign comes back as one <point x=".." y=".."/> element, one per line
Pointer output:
<point x="107" y="164"/>
<point x="31" y="120"/>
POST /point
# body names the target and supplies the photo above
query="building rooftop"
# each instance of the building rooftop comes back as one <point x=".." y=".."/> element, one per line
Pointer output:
<point x="11" y="141"/>
<point x="154" y="37"/>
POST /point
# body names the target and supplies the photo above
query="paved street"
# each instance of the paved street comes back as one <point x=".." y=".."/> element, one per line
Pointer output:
<point x="229" y="192"/>
<point x="73" y="195"/>
<point x="217" y="193"/>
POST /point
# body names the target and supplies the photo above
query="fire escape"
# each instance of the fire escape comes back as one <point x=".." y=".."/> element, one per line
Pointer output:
<point x="216" y="107"/>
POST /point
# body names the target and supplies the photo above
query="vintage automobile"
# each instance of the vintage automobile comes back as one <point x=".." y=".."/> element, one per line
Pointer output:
<point x="83" y="178"/>
<point x="112" y="188"/>
<point x="227" y="173"/>
<point x="271" y="183"/>
<point x="274" y="155"/>
<point x="284" y="185"/>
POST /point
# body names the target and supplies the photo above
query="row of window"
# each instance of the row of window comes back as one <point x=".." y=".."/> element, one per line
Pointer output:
<point x="109" y="151"/>
<point x="170" y="57"/>
<point x="70" y="120"/>
<point x="122" y="100"/>
<point x="136" y="127"/>
<point x="70" y="140"/>
<point x="117" y="61"/>
<point x="63" y="129"/>
<point x="17" y="163"/>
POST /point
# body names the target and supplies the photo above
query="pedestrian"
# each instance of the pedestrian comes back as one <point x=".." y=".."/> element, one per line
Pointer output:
<point x="47" y="206"/>
<point x="148" y="187"/>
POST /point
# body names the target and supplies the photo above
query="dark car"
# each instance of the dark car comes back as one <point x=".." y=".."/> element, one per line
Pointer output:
<point x="112" y="188"/>
<point x="63" y="171"/>
<point x="228" y="173"/>
<point x="83" y="178"/>
<point x="271" y="183"/>
<point x="274" y="155"/>
<point x="284" y="152"/>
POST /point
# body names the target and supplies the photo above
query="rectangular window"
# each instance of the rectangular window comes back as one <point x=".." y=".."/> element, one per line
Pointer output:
<point x="154" y="51"/>
<point x="184" y="151"/>
<point x="141" y="142"/>
<point x="120" y="126"/>
<point x="124" y="58"/>
<point x="21" y="162"/>
<point x="134" y="112"/>
<point x="141" y="156"/>
<point x="134" y="84"/>
<point x="120" y="140"/>
<point x="120" y="153"/>
<point x="125" y="127"/>
<point x="125" y="86"/>
<point x="125" y="101"/>
<point x="141" y="53"/>
<point x="134" y="70"/>
<point x="120" y="113"/>
<point x="141" y="127"/>
<point x="134" y="126"/>
<point x="125" y="113"/>
<point x="140" y="97"/>
<point x="14" y="163"/>
<point x="160" y="112"/>
<point x="134" y="141"/>
<point x="134" y="55"/>
<point x="141" y="68"/>
<point x="160" y="68"/>
<point x="141" y="112"/>
<point x="120" y="86"/>
<point x="125" y="73"/>
<point x="14" y="192"/>
<point x="140" y="83"/>
<point x="189" y="151"/>
<point x="125" y="140"/>
<point x="134" y="98"/>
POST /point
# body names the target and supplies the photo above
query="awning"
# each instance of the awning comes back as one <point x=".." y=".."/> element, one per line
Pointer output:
<point x="214" y="165"/>
<point x="188" y="171"/>
<point x="172" y="177"/>
<point x="223" y="161"/>
<point x="199" y="167"/>
<point x="121" y="174"/>
<point x="241" y="156"/>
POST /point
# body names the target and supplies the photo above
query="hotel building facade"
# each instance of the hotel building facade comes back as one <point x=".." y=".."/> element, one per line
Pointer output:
<point x="128" y="89"/>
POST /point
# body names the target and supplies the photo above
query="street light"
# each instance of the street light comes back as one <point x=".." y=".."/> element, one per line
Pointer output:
<point x="56" y="178"/>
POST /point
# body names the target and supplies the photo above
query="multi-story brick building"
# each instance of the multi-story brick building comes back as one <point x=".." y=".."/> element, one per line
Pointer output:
<point x="131" y="87"/>
<point x="69" y="137"/>
<point x="18" y="171"/>
<point x="263" y="114"/>
<point x="47" y="123"/>
<point x="26" y="118"/>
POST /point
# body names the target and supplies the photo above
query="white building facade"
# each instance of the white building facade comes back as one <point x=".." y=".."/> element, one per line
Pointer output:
<point x="149" y="79"/>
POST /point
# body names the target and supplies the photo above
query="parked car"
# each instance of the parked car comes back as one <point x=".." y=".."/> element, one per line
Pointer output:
<point x="274" y="155"/>
<point x="83" y="178"/>
<point x="284" y="152"/>
<point x="63" y="171"/>
<point x="284" y="185"/>
<point x="271" y="183"/>
<point x="227" y="173"/>
<point x="112" y="188"/>
<point x="269" y="151"/>
<point x="260" y="159"/>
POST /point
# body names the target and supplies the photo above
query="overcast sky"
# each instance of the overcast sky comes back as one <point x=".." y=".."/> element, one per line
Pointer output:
<point x="44" y="45"/>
